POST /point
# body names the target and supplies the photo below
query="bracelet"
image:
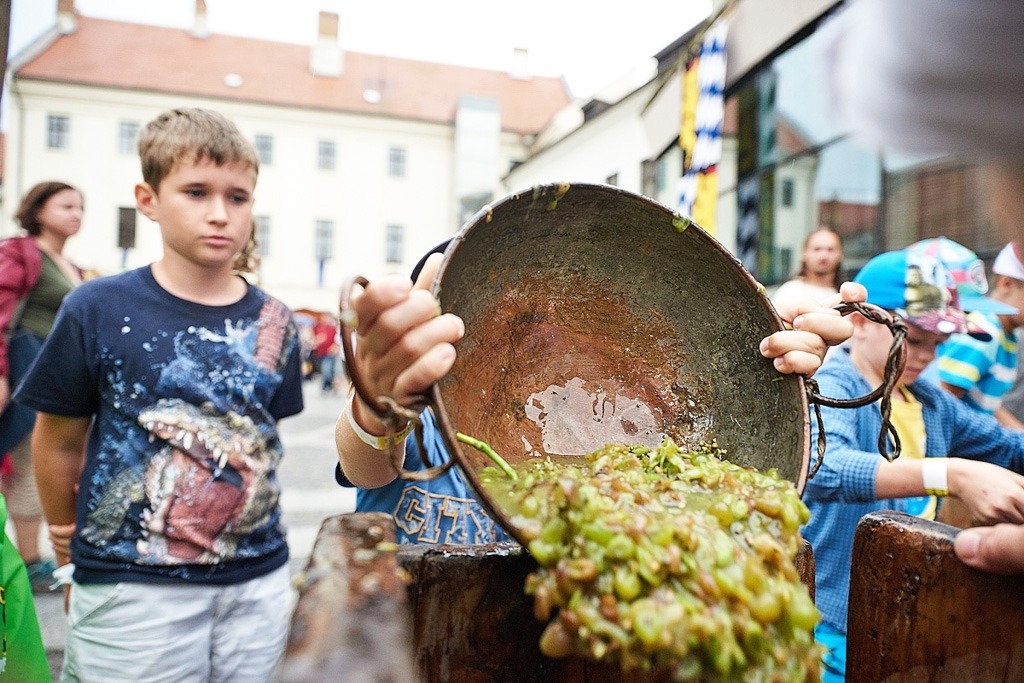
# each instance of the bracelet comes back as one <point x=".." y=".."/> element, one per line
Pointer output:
<point x="379" y="443"/>
<point x="933" y="474"/>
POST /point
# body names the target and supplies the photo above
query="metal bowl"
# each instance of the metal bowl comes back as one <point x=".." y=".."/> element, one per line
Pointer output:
<point x="595" y="315"/>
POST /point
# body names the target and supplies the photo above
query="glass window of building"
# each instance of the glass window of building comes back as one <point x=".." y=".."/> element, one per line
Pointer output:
<point x="262" y="227"/>
<point x="58" y="131"/>
<point x="393" y="244"/>
<point x="324" y="246"/>
<point x="797" y="169"/>
<point x="396" y="162"/>
<point x="128" y="137"/>
<point x="325" y="155"/>
<point x="126" y="227"/>
<point x="264" y="148"/>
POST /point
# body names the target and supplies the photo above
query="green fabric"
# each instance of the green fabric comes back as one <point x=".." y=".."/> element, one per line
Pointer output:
<point x="45" y="298"/>
<point x="22" y="642"/>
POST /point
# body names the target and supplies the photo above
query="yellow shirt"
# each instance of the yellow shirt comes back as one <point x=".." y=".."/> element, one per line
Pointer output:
<point x="908" y="420"/>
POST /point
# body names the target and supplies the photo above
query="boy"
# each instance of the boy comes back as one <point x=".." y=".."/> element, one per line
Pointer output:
<point x="933" y="426"/>
<point x="158" y="394"/>
<point x="980" y="371"/>
<point x="404" y="346"/>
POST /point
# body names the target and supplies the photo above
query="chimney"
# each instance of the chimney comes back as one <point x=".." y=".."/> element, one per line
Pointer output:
<point x="326" y="58"/>
<point x="200" y="29"/>
<point x="67" y="17"/>
<point x="520" y="68"/>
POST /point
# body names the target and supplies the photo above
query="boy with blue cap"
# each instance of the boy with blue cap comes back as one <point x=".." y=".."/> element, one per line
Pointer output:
<point x="980" y="369"/>
<point x="948" y="449"/>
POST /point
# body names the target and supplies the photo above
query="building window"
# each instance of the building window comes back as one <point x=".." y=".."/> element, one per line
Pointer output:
<point x="325" y="155"/>
<point x="265" y="149"/>
<point x="393" y="244"/>
<point x="324" y="240"/>
<point x="58" y="131"/>
<point x="126" y="227"/>
<point x="128" y="137"/>
<point x="788" y="192"/>
<point x="396" y="162"/>
<point x="613" y="179"/>
<point x="262" y="228"/>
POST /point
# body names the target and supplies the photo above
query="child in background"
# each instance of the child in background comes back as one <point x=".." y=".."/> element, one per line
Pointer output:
<point x="980" y="371"/>
<point x="947" y="448"/>
<point x="158" y="395"/>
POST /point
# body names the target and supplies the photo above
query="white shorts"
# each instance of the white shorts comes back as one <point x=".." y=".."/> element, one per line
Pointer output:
<point x="178" y="632"/>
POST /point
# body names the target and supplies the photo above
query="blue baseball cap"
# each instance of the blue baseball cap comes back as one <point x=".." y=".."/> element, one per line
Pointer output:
<point x="968" y="272"/>
<point x="919" y="289"/>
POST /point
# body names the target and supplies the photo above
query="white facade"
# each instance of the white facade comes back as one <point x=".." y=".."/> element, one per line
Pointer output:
<point x="358" y="196"/>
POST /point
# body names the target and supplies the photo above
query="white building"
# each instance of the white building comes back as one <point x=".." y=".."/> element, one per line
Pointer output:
<point x="367" y="161"/>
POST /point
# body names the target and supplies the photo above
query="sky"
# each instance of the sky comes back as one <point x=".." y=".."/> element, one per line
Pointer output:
<point x="589" y="44"/>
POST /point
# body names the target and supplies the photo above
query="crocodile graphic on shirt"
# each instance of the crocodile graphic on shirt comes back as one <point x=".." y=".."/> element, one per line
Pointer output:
<point x="196" y="492"/>
<point x="201" y="486"/>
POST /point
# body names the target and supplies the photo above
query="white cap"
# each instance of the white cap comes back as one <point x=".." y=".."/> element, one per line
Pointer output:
<point x="1008" y="264"/>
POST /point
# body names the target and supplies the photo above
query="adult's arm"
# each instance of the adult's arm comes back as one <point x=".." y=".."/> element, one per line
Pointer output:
<point x="13" y="286"/>
<point x="1008" y="420"/>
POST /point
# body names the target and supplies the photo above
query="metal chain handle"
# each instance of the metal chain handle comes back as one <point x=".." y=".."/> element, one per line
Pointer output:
<point x="395" y="417"/>
<point x="893" y="371"/>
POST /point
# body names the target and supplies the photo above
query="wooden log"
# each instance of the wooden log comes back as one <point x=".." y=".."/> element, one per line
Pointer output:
<point x="351" y="621"/>
<point x="918" y="614"/>
<point x="471" y="620"/>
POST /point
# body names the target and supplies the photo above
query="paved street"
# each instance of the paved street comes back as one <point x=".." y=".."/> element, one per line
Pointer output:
<point x="310" y="495"/>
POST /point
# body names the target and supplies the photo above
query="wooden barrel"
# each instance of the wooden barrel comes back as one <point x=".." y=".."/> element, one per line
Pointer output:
<point x="919" y="614"/>
<point x="463" y="616"/>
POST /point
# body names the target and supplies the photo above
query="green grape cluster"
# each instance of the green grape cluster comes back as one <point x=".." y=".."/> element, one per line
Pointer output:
<point x="665" y="559"/>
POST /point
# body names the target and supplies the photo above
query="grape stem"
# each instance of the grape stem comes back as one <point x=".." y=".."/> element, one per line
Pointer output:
<point x="484" y="448"/>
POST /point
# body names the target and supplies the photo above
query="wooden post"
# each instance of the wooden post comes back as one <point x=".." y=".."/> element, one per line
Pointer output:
<point x="918" y="614"/>
<point x="351" y="622"/>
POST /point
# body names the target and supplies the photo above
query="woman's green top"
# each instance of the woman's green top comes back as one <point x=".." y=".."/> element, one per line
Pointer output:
<point x="45" y="298"/>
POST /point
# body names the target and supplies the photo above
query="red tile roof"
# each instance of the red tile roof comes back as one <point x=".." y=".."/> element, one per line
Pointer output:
<point x="120" y="55"/>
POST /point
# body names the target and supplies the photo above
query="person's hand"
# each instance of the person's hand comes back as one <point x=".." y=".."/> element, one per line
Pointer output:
<point x="60" y="539"/>
<point x="5" y="394"/>
<point x="815" y="327"/>
<point x="996" y="549"/>
<point x="991" y="493"/>
<point x="404" y="344"/>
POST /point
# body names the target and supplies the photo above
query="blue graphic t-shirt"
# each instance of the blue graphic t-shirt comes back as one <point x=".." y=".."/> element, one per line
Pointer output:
<point x="180" y="476"/>
<point x="444" y="510"/>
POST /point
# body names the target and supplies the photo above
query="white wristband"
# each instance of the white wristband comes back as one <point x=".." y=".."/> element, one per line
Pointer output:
<point x="933" y="474"/>
<point x="62" y="576"/>
<point x="379" y="443"/>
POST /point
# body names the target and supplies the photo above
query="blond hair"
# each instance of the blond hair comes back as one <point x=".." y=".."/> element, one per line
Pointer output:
<point x="191" y="135"/>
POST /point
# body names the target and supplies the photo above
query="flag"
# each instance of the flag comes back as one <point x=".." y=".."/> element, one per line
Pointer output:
<point x="700" y="135"/>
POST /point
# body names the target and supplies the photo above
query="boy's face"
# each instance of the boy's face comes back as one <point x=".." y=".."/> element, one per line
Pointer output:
<point x="874" y="342"/>
<point x="204" y="211"/>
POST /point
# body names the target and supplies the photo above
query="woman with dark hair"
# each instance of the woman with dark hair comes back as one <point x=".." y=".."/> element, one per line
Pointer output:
<point x="819" y="276"/>
<point x="34" y="279"/>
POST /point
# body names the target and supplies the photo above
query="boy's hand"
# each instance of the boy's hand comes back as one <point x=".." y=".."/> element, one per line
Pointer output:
<point x="404" y="344"/>
<point x="992" y="493"/>
<point x="5" y="394"/>
<point x="816" y="326"/>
